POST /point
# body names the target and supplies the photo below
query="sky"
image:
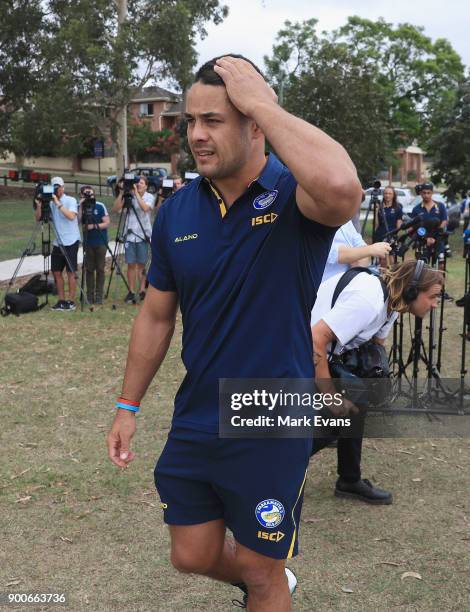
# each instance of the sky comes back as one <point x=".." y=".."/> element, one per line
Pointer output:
<point x="252" y="25"/>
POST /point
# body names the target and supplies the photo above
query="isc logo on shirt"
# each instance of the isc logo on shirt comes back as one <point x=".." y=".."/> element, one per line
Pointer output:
<point x="268" y="218"/>
<point x="272" y="537"/>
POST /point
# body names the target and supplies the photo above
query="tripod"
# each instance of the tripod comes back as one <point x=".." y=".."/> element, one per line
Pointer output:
<point x="44" y="223"/>
<point x="465" y="328"/>
<point x="123" y="231"/>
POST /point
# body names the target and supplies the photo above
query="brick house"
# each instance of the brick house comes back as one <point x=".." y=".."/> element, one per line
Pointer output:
<point x="160" y="106"/>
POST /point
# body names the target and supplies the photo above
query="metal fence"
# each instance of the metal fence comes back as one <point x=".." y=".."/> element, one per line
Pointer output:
<point x="74" y="186"/>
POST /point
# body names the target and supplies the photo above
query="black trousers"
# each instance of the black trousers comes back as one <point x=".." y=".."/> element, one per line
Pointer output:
<point x="349" y="450"/>
<point x="95" y="260"/>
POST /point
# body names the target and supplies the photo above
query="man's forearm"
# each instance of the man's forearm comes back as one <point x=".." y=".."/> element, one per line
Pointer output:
<point x="349" y="255"/>
<point x="321" y="165"/>
<point x="148" y="346"/>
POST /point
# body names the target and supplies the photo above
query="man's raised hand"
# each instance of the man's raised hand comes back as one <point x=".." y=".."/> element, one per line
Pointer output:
<point x="246" y="88"/>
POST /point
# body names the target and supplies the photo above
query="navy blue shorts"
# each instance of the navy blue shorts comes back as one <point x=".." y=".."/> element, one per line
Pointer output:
<point x="255" y="486"/>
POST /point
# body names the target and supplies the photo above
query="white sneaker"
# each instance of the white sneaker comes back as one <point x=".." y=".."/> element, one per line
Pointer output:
<point x="291" y="582"/>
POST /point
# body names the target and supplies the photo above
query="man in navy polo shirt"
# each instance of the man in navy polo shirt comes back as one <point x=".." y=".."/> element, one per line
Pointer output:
<point x="429" y="209"/>
<point x="95" y="220"/>
<point x="242" y="249"/>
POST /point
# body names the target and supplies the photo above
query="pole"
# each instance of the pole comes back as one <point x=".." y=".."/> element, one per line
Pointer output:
<point x="122" y="114"/>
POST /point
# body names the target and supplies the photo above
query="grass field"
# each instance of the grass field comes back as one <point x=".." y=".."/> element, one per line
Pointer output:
<point x="17" y="225"/>
<point x="73" y="522"/>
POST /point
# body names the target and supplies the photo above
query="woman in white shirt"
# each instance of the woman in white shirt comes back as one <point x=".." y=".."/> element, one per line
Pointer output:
<point x="361" y="314"/>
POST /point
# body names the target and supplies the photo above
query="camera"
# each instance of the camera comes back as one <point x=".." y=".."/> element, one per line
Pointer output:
<point x="44" y="193"/>
<point x="375" y="193"/>
<point x="128" y="181"/>
<point x="190" y="176"/>
<point x="88" y="204"/>
<point x="167" y="188"/>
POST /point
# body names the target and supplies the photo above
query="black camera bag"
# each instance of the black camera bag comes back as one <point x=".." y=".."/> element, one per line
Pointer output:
<point x="20" y="303"/>
<point x="37" y="285"/>
<point x="369" y="361"/>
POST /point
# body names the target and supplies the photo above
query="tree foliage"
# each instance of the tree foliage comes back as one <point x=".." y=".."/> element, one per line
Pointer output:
<point x="371" y="85"/>
<point x="20" y="58"/>
<point x="91" y="66"/>
<point x="450" y="146"/>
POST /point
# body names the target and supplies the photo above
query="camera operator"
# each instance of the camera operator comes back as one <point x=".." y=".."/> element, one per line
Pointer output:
<point x="364" y="311"/>
<point x="349" y="249"/>
<point x="164" y="192"/>
<point x="465" y="210"/>
<point x="95" y="220"/>
<point x="137" y="231"/>
<point x="64" y="212"/>
<point x="429" y="209"/>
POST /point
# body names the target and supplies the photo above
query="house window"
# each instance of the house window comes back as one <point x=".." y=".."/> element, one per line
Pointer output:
<point x="146" y="110"/>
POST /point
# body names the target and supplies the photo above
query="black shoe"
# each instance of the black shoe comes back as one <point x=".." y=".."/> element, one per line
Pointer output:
<point x="130" y="298"/>
<point x="460" y="302"/>
<point x="291" y="581"/>
<point x="446" y="296"/>
<point x="60" y="306"/>
<point x="363" y="490"/>
<point x="142" y="296"/>
<point x="71" y="305"/>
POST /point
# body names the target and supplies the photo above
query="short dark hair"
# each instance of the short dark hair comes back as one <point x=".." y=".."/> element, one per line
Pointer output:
<point x="429" y="186"/>
<point x="208" y="76"/>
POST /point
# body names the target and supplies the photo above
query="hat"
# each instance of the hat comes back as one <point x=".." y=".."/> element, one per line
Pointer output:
<point x="57" y="180"/>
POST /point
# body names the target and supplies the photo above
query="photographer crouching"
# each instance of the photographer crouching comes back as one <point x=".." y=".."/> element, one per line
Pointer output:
<point x="95" y="220"/>
<point x="354" y="312"/>
<point x="63" y="211"/>
<point x="137" y="231"/>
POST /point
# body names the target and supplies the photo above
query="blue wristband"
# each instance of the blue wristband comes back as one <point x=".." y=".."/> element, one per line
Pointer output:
<point x="127" y="407"/>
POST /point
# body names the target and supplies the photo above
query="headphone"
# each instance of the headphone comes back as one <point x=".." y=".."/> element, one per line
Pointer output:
<point x="411" y="292"/>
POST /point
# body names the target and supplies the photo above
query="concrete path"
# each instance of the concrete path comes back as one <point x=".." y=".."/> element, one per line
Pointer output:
<point x="34" y="264"/>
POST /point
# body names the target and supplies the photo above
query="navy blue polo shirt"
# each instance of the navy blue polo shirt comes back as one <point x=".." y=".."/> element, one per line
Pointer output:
<point x="246" y="280"/>
<point x="438" y="211"/>
<point x="97" y="237"/>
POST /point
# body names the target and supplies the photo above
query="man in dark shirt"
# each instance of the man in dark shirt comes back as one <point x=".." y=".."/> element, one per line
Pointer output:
<point x="242" y="250"/>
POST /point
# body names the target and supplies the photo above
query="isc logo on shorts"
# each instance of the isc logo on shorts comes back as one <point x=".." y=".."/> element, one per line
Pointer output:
<point x="270" y="513"/>
<point x="272" y="537"/>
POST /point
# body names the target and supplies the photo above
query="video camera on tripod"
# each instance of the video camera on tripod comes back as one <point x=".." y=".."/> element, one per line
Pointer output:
<point x="88" y="204"/>
<point x="44" y="193"/>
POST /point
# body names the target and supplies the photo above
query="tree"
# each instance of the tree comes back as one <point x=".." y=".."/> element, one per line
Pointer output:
<point x="20" y="59"/>
<point x="94" y="67"/>
<point x="450" y="146"/>
<point x="418" y="76"/>
<point x="321" y="82"/>
<point x="371" y="85"/>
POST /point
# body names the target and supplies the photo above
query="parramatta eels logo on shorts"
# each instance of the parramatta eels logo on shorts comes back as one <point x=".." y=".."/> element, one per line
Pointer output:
<point x="270" y="513"/>
<point x="265" y="199"/>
